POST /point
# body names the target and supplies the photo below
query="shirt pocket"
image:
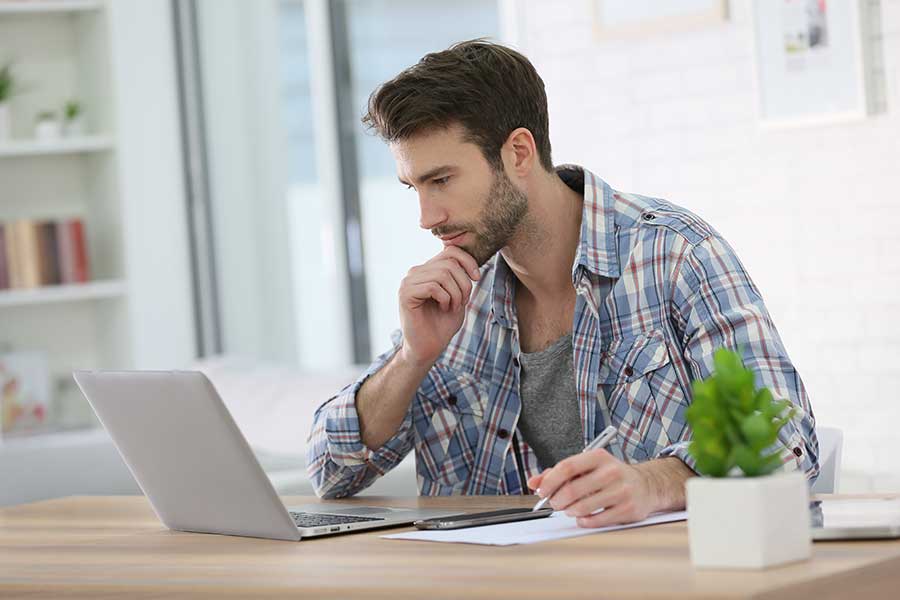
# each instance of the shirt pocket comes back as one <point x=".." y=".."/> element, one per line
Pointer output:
<point x="449" y="425"/>
<point x="645" y="399"/>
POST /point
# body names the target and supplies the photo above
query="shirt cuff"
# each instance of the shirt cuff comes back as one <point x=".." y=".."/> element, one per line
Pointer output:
<point x="345" y="444"/>
<point x="680" y="451"/>
<point x="342" y="429"/>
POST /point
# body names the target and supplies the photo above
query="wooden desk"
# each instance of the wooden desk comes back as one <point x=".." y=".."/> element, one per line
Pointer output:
<point x="93" y="547"/>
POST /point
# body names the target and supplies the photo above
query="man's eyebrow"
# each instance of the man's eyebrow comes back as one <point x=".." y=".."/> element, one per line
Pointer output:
<point x="430" y="174"/>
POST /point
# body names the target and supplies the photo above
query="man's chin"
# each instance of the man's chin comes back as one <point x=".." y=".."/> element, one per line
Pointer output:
<point x="481" y="256"/>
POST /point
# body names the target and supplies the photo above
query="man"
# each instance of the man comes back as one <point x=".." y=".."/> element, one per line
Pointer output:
<point x="558" y="306"/>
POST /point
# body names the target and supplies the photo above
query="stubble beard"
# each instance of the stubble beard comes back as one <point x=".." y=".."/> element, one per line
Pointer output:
<point x="505" y="208"/>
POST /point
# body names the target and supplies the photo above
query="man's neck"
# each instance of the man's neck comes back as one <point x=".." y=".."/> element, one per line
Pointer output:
<point x="543" y="250"/>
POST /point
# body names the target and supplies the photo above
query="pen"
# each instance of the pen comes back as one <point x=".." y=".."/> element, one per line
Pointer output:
<point x="601" y="441"/>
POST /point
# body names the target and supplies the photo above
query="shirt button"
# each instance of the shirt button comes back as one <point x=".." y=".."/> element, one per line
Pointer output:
<point x="649" y="217"/>
<point x="503" y="434"/>
<point x="798" y="452"/>
<point x="628" y="371"/>
<point x="451" y="400"/>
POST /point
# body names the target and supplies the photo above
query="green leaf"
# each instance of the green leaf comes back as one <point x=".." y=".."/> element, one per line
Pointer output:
<point x="732" y="422"/>
<point x="757" y="431"/>
<point x="749" y="461"/>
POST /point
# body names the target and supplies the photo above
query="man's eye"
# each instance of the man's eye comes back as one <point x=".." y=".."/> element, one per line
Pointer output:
<point x="440" y="180"/>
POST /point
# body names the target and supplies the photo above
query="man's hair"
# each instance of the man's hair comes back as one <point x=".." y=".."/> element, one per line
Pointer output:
<point x="487" y="88"/>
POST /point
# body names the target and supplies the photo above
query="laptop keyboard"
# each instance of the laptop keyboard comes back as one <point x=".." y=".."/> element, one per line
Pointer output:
<point x="303" y="519"/>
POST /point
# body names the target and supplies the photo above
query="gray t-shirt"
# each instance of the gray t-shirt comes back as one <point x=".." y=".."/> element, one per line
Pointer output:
<point x="551" y="419"/>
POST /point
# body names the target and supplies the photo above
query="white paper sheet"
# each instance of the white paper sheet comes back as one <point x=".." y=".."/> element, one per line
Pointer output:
<point x="555" y="527"/>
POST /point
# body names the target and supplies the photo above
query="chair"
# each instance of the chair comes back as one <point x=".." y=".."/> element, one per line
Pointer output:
<point x="831" y="442"/>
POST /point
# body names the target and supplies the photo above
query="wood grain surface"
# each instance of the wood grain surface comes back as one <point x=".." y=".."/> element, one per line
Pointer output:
<point x="113" y="547"/>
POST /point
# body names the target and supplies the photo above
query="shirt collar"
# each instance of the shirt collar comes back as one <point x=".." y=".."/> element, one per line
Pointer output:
<point x="597" y="251"/>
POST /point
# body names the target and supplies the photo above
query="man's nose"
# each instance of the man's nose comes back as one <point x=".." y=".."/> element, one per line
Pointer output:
<point x="430" y="213"/>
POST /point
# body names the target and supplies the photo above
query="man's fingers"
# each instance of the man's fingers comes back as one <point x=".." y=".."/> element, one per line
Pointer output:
<point x="572" y="467"/>
<point x="465" y="260"/>
<point x="617" y="515"/>
<point x="442" y="276"/>
<point x="462" y="280"/>
<point x="430" y="290"/>
<point x="449" y="274"/>
<point x="534" y="481"/>
<point x="607" y="475"/>
<point x="583" y="486"/>
<point x="606" y="497"/>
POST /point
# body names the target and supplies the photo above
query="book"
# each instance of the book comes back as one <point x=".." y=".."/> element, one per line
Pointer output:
<point x="4" y="269"/>
<point x="81" y="269"/>
<point x="64" y="253"/>
<point x="13" y="262"/>
<point x="48" y="257"/>
<point x="42" y="253"/>
<point x="27" y="249"/>
<point x="72" y="251"/>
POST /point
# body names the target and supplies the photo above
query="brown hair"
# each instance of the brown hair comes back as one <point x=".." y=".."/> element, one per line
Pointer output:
<point x="487" y="88"/>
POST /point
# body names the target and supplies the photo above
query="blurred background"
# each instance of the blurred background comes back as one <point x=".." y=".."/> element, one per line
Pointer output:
<point x="186" y="184"/>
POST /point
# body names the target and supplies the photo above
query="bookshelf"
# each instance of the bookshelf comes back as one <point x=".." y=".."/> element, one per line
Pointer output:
<point x="24" y="7"/>
<point x="94" y="290"/>
<point x="60" y="50"/>
<point x="125" y="179"/>
<point x="80" y="145"/>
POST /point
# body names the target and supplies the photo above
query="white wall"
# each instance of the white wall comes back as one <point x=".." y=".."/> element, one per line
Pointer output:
<point x="810" y="211"/>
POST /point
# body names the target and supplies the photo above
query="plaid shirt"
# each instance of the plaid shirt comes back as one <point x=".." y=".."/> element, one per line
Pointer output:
<point x="658" y="291"/>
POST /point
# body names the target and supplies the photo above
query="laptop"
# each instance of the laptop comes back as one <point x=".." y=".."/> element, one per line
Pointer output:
<point x="196" y="468"/>
<point x="856" y="518"/>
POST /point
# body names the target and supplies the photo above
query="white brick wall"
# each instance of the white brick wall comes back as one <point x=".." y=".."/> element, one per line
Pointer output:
<point x="813" y="212"/>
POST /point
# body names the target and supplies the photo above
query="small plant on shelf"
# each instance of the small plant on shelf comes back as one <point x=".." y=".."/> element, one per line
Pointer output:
<point x="8" y="88"/>
<point x="73" y="118"/>
<point x="47" y="126"/>
<point x="72" y="110"/>
<point x="7" y="83"/>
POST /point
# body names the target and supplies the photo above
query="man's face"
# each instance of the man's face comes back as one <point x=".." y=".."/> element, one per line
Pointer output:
<point x="462" y="199"/>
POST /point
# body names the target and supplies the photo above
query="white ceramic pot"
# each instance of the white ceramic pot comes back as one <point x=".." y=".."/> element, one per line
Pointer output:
<point x="74" y="127"/>
<point x="46" y="130"/>
<point x="748" y="522"/>
<point x="5" y="121"/>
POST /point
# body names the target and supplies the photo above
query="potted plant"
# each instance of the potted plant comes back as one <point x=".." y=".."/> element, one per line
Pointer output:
<point x="744" y="513"/>
<point x="47" y="126"/>
<point x="7" y="87"/>
<point x="73" y="119"/>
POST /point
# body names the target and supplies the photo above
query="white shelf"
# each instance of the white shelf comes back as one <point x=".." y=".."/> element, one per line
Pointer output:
<point x="94" y="290"/>
<point x="22" y="7"/>
<point x="54" y="439"/>
<point x="93" y="143"/>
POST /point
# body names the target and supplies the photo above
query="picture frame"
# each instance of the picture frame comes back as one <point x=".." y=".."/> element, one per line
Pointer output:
<point x="25" y="390"/>
<point x="631" y="19"/>
<point x="810" y="61"/>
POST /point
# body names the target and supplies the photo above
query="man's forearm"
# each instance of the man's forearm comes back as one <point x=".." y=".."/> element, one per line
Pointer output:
<point x="383" y="400"/>
<point x="666" y="478"/>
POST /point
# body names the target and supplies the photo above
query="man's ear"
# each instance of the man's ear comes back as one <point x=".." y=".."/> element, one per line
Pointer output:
<point x="519" y="153"/>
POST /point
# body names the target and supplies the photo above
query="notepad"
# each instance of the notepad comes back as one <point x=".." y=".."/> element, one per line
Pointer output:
<point x="555" y="527"/>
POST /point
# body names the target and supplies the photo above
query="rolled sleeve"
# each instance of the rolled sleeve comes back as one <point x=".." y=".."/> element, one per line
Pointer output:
<point x="716" y="305"/>
<point x="339" y="464"/>
<point x="680" y="451"/>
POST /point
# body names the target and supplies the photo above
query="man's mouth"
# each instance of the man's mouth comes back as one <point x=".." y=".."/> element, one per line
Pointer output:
<point x="452" y="237"/>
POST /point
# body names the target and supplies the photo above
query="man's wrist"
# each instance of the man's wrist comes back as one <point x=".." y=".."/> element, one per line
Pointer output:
<point x="665" y="480"/>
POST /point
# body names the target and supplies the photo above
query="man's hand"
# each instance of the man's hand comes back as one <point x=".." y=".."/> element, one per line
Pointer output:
<point x="582" y="484"/>
<point x="433" y="298"/>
